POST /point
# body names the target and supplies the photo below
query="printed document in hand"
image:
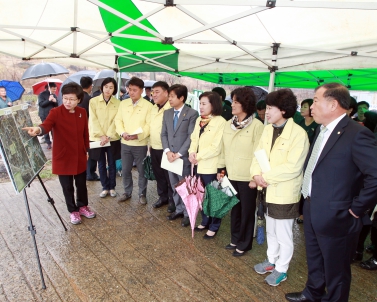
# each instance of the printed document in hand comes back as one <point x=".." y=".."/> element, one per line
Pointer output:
<point x="226" y="183"/>
<point x="137" y="131"/>
<point x="176" y="166"/>
<point x="94" y="145"/>
<point x="262" y="159"/>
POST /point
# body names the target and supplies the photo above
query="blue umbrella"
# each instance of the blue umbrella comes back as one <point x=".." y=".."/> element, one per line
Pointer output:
<point x="14" y="89"/>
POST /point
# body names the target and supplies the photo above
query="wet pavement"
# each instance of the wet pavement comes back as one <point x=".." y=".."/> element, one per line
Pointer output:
<point x="130" y="252"/>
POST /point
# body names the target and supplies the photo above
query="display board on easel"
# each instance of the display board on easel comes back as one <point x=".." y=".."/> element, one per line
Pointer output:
<point x="23" y="155"/>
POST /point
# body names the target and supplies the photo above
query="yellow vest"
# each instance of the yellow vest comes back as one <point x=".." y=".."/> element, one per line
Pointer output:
<point x="129" y="118"/>
<point x="208" y="145"/>
<point x="287" y="159"/>
<point x="238" y="148"/>
<point x="156" y="125"/>
<point x="101" y="118"/>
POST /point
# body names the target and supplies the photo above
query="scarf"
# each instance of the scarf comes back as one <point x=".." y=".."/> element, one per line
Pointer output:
<point x="236" y="125"/>
<point x="205" y="120"/>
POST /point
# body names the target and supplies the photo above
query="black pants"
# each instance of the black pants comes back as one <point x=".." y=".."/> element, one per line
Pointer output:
<point x="242" y="219"/>
<point x="329" y="263"/>
<point x="164" y="190"/>
<point x="47" y="135"/>
<point x="212" y="223"/>
<point x="91" y="167"/>
<point x="373" y="238"/>
<point x="66" y="182"/>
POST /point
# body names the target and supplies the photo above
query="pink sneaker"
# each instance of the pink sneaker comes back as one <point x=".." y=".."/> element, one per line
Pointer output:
<point x="75" y="218"/>
<point x="86" y="212"/>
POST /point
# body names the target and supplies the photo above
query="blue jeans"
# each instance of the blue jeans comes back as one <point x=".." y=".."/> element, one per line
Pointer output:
<point x="212" y="223"/>
<point x="107" y="177"/>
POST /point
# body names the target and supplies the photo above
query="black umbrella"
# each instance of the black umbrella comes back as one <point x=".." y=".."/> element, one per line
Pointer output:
<point x="260" y="93"/>
<point x="43" y="70"/>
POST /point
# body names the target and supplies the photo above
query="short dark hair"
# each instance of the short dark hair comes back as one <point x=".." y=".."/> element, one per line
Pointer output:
<point x="370" y="120"/>
<point x="261" y="105"/>
<point x="161" y="84"/>
<point x="309" y="102"/>
<point x="180" y="91"/>
<point x="337" y="92"/>
<point x="221" y="91"/>
<point x="110" y="80"/>
<point x="353" y="105"/>
<point x="363" y="103"/>
<point x="285" y="100"/>
<point x="135" y="81"/>
<point x="50" y="84"/>
<point x="73" y="88"/>
<point x="86" y="82"/>
<point x="215" y="101"/>
<point x="3" y="87"/>
<point x="246" y="97"/>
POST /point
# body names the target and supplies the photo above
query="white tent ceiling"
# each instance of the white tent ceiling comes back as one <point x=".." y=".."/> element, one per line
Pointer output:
<point x="213" y="36"/>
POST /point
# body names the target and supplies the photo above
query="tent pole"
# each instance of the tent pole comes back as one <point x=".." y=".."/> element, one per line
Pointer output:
<point x="271" y="86"/>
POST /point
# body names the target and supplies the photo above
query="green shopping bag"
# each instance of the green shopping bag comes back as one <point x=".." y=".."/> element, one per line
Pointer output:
<point x="217" y="203"/>
<point x="147" y="166"/>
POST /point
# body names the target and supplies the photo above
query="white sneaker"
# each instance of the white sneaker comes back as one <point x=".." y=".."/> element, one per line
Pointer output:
<point x="113" y="193"/>
<point x="103" y="194"/>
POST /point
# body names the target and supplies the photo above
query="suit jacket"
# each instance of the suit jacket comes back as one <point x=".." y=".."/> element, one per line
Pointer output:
<point x="227" y="112"/>
<point x="85" y="102"/>
<point x="178" y="140"/>
<point x="345" y="177"/>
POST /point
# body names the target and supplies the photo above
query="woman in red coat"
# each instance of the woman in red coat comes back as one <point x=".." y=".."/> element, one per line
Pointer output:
<point x="69" y="155"/>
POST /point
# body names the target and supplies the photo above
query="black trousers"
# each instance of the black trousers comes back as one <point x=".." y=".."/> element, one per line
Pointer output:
<point x="329" y="263"/>
<point x="373" y="238"/>
<point x="164" y="189"/>
<point x="47" y="135"/>
<point x="91" y="167"/>
<point x="66" y="182"/>
<point x="242" y="217"/>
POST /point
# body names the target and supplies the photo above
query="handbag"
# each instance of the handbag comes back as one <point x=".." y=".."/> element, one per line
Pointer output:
<point x="216" y="202"/>
<point x="147" y="166"/>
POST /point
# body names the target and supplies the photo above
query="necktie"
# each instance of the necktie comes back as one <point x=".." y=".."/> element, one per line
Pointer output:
<point x="175" y="120"/>
<point x="311" y="164"/>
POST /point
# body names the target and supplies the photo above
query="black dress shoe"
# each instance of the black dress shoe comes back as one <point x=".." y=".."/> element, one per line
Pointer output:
<point x="230" y="247"/>
<point x="207" y="237"/>
<point x="171" y="207"/>
<point x="296" y="297"/>
<point x="174" y="216"/>
<point x="159" y="203"/>
<point x="185" y="221"/>
<point x="370" y="264"/>
<point x="196" y="229"/>
<point x="238" y="254"/>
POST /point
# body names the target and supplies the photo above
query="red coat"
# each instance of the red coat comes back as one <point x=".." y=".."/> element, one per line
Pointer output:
<point x="71" y="140"/>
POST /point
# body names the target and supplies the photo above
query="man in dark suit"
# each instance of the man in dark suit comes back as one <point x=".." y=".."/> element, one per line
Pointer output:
<point x="87" y="84"/>
<point x="177" y="125"/>
<point x="47" y="100"/>
<point x="340" y="185"/>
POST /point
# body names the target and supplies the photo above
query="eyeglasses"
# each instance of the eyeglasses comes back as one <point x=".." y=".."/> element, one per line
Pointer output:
<point x="69" y="100"/>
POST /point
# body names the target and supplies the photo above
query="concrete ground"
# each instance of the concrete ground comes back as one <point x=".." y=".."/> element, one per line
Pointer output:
<point x="130" y="252"/>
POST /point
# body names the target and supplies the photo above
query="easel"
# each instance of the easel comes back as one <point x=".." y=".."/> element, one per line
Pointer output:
<point x="31" y="227"/>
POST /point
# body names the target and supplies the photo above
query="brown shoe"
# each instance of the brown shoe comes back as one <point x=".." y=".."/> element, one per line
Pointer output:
<point x="124" y="197"/>
<point x="142" y="199"/>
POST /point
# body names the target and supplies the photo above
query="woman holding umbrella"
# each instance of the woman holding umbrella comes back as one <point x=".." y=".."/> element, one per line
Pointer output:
<point x="285" y="144"/>
<point x="240" y="138"/>
<point x="102" y="111"/>
<point x="69" y="155"/>
<point x="205" y="149"/>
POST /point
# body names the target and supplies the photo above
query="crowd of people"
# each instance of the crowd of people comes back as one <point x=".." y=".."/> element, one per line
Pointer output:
<point x="322" y="168"/>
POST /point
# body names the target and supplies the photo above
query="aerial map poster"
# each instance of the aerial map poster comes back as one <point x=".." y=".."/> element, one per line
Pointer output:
<point x="22" y="154"/>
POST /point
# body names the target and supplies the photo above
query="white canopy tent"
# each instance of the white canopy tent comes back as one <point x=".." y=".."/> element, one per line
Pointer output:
<point x="205" y="37"/>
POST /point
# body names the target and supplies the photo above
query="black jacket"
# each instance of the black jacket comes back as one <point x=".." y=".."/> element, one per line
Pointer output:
<point x="45" y="105"/>
<point x="85" y="102"/>
<point x="227" y="112"/>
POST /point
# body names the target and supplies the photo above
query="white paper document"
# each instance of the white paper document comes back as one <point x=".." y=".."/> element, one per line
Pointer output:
<point x="137" y="131"/>
<point x="262" y="159"/>
<point x="226" y="183"/>
<point x="175" y="167"/>
<point x="94" y="145"/>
